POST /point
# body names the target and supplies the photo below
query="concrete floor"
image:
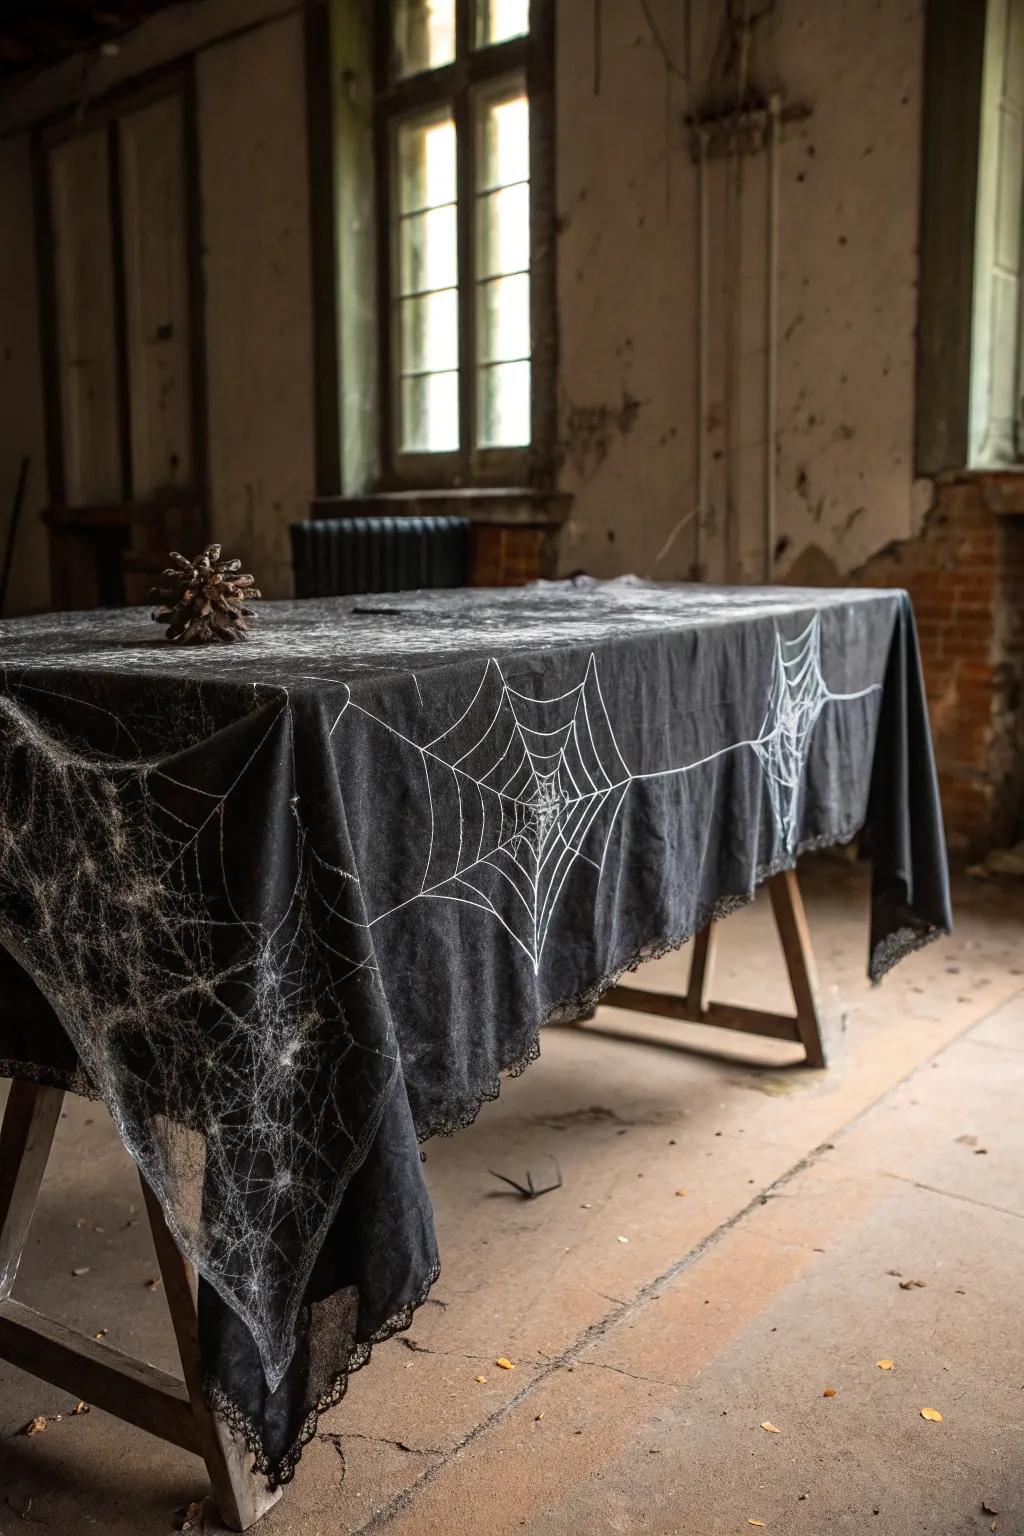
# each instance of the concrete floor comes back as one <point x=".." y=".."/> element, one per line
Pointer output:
<point x="770" y="1215"/>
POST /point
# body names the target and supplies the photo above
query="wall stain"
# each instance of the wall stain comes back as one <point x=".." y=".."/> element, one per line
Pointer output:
<point x="590" y="430"/>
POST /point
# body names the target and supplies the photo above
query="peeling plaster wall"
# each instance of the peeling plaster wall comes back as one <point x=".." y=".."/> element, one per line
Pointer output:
<point x="256" y="271"/>
<point x="629" y="291"/>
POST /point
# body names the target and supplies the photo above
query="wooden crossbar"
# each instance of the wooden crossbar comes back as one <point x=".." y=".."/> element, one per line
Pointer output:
<point x="803" y="1027"/>
<point x="103" y="1376"/>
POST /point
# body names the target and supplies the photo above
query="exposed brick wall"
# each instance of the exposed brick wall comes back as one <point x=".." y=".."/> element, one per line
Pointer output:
<point x="508" y="556"/>
<point x="965" y="575"/>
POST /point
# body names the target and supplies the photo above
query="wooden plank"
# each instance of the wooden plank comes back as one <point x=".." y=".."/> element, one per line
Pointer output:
<point x="791" y="920"/>
<point x="242" y="1497"/>
<point x="752" y="1021"/>
<point x="26" y="1136"/>
<point x="97" y="1373"/>
<point x="700" y="972"/>
<point x="666" y="1005"/>
<point x="85" y="311"/>
<point x="151" y="143"/>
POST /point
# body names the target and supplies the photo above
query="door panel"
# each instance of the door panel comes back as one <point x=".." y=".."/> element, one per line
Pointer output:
<point x="153" y="224"/>
<point x="87" y="360"/>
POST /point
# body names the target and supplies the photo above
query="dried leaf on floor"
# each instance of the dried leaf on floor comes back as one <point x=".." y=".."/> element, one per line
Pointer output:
<point x="987" y="1508"/>
<point x="537" y="1417"/>
<point x="829" y="1392"/>
<point x="932" y="1415"/>
<point x="481" y="1379"/>
<point x="506" y="1365"/>
<point x="771" y="1428"/>
<point x="189" y="1517"/>
<point x="80" y="1407"/>
<point x="886" y="1365"/>
<point x="34" y="1426"/>
<point x="756" y="1522"/>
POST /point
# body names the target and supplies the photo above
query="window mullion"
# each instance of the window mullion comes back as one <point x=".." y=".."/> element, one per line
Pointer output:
<point x="466" y="185"/>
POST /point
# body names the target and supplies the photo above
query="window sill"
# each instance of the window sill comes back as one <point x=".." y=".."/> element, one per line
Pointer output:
<point x="1002" y="488"/>
<point x="519" y="507"/>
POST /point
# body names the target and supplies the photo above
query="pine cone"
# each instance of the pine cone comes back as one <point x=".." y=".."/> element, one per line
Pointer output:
<point x="205" y="600"/>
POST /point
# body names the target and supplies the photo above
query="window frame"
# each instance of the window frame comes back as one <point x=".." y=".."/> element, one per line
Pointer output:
<point x="456" y="85"/>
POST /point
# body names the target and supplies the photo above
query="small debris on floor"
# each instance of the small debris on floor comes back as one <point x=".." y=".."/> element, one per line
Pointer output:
<point x="506" y="1365"/>
<point x="828" y="1392"/>
<point x="482" y="1380"/>
<point x="886" y="1365"/>
<point x="987" y="1508"/>
<point x="79" y="1408"/>
<point x="622" y="1239"/>
<point x="83" y="1269"/>
<point x="932" y="1415"/>
<point x="190" y="1517"/>
<point x="529" y="1190"/>
<point x="34" y="1426"/>
<point x="913" y="1285"/>
<point x="770" y="1427"/>
<point x="100" y="1333"/>
<point x="152" y="1283"/>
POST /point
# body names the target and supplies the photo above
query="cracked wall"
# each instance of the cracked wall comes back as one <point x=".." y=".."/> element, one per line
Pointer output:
<point x="629" y="290"/>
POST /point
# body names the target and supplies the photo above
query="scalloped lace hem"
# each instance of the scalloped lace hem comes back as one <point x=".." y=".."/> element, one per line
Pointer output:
<point x="898" y="944"/>
<point x="458" y="1116"/>
<point x="282" y="1469"/>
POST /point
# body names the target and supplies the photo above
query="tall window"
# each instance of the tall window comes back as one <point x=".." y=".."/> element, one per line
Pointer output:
<point x="454" y="146"/>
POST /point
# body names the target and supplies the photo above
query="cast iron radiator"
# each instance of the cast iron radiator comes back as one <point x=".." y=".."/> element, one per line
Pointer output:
<point x="340" y="555"/>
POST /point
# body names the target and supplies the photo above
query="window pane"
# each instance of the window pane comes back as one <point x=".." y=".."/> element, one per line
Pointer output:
<point x="424" y="34"/>
<point x="503" y="405"/>
<point x="505" y="136"/>
<point x="504" y="319"/>
<point x="426" y="162"/>
<point x="430" y="413"/>
<point x="504" y="231"/>
<point x="428" y="254"/>
<point x="498" y="19"/>
<point x="427" y="300"/>
<point x="430" y="332"/>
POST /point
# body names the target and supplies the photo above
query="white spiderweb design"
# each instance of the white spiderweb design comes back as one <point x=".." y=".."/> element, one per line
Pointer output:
<point x="203" y="935"/>
<point x="524" y="782"/>
<point x="212" y="1020"/>
<point x="798" y="695"/>
<point x="538" y="784"/>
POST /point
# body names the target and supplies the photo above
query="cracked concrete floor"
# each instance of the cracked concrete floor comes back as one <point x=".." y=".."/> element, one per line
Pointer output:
<point x="769" y="1217"/>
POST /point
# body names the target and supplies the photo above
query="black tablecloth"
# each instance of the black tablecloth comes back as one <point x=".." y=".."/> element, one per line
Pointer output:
<point x="291" y="907"/>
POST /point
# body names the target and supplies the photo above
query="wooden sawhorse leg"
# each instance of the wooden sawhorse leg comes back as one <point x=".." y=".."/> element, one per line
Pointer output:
<point x="804" y="1026"/>
<point x="103" y="1376"/>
